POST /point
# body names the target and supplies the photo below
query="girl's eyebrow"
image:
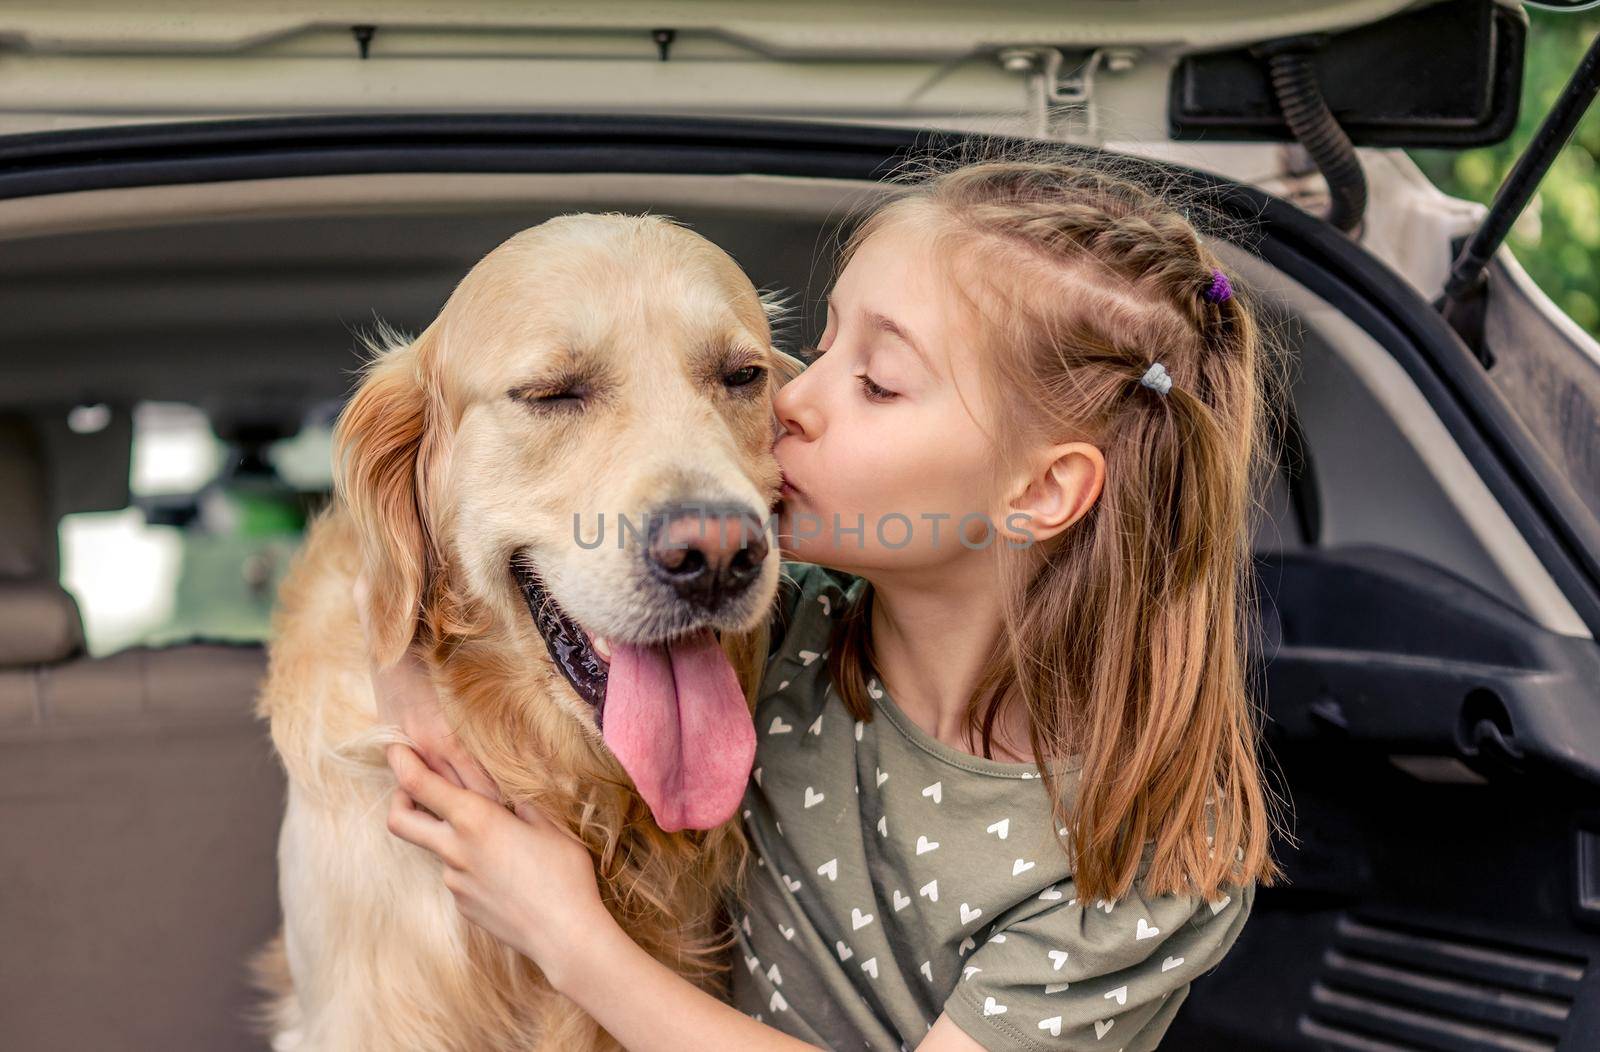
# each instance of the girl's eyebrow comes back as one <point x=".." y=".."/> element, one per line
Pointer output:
<point x="881" y="323"/>
<point x="893" y="328"/>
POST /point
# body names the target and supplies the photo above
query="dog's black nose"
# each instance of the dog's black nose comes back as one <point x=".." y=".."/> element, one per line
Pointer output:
<point x="706" y="552"/>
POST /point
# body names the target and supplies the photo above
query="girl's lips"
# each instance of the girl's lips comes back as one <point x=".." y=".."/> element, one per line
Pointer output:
<point x="786" y="486"/>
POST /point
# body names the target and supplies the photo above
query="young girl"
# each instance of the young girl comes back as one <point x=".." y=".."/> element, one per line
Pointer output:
<point x="1019" y="472"/>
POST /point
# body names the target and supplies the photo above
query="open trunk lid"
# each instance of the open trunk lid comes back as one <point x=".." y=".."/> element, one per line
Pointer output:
<point x="1086" y="70"/>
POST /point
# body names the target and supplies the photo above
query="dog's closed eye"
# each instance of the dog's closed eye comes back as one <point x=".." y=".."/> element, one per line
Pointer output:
<point x="560" y="396"/>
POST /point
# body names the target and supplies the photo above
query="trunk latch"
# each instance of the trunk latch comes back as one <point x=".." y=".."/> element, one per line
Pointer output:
<point x="1063" y="104"/>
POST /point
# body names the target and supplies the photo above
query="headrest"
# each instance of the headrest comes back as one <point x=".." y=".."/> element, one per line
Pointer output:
<point x="27" y="526"/>
<point x="39" y="622"/>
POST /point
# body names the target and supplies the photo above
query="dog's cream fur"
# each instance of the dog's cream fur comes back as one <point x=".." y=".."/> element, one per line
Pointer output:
<point x="442" y="471"/>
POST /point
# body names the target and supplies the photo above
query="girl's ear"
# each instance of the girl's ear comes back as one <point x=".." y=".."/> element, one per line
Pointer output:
<point x="381" y="444"/>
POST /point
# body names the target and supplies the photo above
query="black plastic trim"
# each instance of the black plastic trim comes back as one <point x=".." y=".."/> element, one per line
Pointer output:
<point x="1385" y="650"/>
<point x="276" y="147"/>
<point x="1447" y="75"/>
<point x="1304" y="247"/>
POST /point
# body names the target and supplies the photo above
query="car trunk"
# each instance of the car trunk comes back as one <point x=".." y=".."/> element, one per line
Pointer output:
<point x="1429" y="683"/>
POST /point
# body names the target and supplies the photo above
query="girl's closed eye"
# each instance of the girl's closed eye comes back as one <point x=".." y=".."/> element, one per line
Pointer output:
<point x="873" y="392"/>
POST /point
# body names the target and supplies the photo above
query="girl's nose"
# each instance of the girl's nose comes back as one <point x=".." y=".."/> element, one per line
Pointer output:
<point x="794" y="410"/>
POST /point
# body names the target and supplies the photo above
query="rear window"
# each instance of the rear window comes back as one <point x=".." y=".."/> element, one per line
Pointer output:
<point x="202" y="548"/>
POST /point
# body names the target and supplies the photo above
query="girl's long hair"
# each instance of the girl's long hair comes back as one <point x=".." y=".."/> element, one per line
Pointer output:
<point x="1125" y="638"/>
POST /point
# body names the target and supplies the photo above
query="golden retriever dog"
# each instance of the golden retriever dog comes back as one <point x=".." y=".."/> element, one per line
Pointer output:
<point x="558" y="493"/>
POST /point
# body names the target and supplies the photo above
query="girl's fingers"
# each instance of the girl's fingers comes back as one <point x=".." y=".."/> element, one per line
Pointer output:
<point x="473" y="776"/>
<point x="534" y="817"/>
<point x="449" y="774"/>
<point x="427" y="788"/>
<point x="411" y="825"/>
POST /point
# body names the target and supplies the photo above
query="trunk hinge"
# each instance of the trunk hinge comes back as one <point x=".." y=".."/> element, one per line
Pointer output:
<point x="1063" y="104"/>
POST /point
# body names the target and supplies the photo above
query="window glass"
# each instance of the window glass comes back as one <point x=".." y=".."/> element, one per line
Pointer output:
<point x="203" y="547"/>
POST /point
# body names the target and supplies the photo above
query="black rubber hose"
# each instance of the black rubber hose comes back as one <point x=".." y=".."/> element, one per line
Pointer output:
<point x="1294" y="81"/>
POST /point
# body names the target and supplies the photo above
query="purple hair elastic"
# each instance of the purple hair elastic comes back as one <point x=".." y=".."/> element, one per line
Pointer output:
<point x="1220" y="289"/>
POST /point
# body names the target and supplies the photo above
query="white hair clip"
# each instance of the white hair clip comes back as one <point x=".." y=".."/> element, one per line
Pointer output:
<point x="1157" y="378"/>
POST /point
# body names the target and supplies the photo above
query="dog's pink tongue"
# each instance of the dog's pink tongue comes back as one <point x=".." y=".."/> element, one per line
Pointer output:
<point x="680" y="726"/>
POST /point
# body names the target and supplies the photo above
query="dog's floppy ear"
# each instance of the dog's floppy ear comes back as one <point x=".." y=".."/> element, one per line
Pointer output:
<point x="383" y="447"/>
<point x="785" y="366"/>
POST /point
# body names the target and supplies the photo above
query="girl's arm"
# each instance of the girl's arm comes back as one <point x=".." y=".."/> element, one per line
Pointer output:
<point x="650" y="1008"/>
<point x="532" y="885"/>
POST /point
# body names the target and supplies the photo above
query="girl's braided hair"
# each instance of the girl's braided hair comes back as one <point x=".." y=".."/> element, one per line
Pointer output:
<point x="1126" y="636"/>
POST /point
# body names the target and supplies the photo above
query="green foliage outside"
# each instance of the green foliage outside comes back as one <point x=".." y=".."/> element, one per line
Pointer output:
<point x="1557" y="240"/>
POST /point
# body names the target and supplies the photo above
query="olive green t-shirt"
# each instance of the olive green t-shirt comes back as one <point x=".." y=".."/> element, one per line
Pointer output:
<point x="898" y="877"/>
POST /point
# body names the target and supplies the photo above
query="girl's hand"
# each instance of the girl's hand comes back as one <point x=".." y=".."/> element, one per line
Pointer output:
<point x="521" y="877"/>
<point x="406" y="697"/>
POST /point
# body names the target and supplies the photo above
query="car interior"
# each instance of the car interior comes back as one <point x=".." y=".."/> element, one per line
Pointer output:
<point x="1421" y="667"/>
